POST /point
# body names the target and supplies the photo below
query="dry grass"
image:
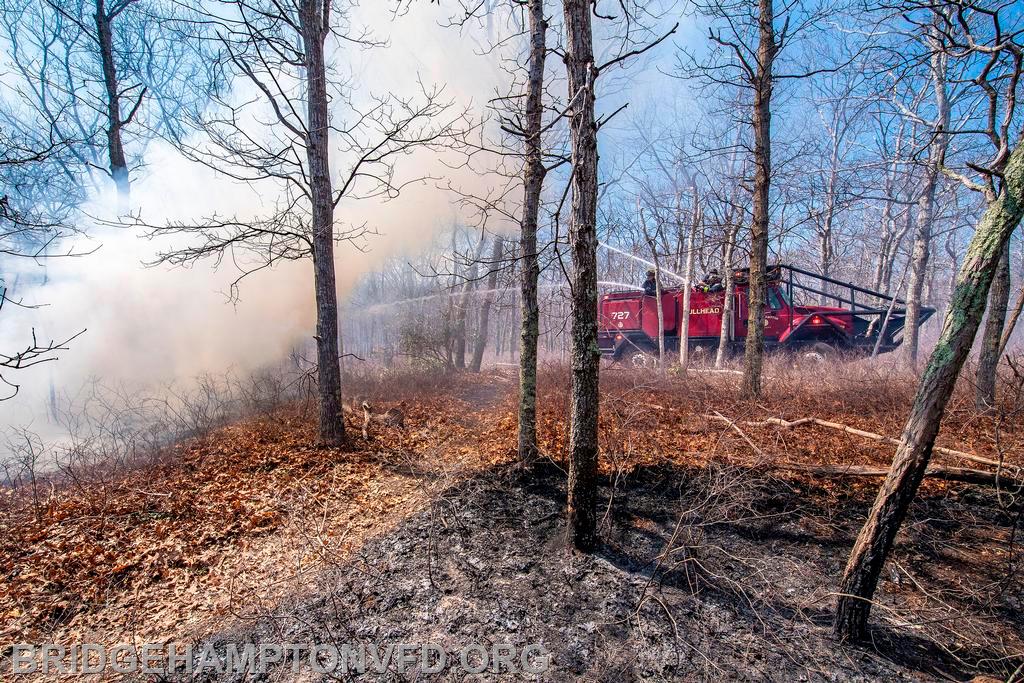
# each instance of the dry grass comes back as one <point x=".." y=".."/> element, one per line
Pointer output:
<point x="220" y="527"/>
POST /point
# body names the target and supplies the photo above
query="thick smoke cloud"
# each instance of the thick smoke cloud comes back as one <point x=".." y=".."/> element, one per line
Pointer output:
<point x="148" y="326"/>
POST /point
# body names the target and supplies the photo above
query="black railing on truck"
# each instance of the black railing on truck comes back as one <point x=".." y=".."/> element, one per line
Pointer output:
<point x="884" y="319"/>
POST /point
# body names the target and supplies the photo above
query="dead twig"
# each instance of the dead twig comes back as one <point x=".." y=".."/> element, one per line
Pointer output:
<point x="723" y="418"/>
<point x="874" y="437"/>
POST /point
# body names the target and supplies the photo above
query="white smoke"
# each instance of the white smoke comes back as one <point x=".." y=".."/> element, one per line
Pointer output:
<point x="151" y="325"/>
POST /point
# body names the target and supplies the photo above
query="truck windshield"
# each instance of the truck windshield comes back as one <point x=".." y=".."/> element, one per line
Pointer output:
<point x="776" y="298"/>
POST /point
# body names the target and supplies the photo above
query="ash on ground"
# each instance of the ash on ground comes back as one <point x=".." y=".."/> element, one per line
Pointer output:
<point x="714" y="573"/>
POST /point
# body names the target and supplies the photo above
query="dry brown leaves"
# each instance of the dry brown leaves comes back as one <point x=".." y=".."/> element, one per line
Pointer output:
<point x="197" y="536"/>
<point x="145" y="540"/>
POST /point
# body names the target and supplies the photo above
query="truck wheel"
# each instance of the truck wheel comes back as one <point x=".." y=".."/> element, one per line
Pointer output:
<point x="640" y="359"/>
<point x="818" y="353"/>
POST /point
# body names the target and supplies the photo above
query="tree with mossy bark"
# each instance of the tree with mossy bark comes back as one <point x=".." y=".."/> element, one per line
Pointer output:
<point x="975" y="33"/>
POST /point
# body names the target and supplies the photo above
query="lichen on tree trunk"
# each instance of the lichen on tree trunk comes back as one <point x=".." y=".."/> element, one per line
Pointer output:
<point x="875" y="540"/>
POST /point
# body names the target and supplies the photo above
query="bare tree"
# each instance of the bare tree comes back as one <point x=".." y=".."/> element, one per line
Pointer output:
<point x="840" y="110"/>
<point x="534" y="172"/>
<point x="279" y="49"/>
<point x="30" y="236"/>
<point x="110" y="74"/>
<point x="991" y="346"/>
<point x="34" y="353"/>
<point x="684" y="324"/>
<point x="521" y="158"/>
<point x="1011" y="322"/>
<point x="462" y="303"/>
<point x="729" y="291"/>
<point x="894" y="224"/>
<point x="926" y="203"/>
<point x="972" y="33"/>
<point x="582" y="73"/>
<point x="747" y="47"/>
<point x="652" y="239"/>
<point x="116" y="120"/>
<point x="761" y="78"/>
<point x="483" y="325"/>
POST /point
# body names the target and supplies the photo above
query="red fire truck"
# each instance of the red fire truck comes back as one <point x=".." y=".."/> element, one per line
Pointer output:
<point x="861" y="319"/>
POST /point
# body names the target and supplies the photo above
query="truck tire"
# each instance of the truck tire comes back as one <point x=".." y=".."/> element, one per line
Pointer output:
<point x="818" y="353"/>
<point x="640" y="358"/>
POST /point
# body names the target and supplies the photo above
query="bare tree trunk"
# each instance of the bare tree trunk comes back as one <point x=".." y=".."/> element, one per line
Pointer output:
<point x="581" y="72"/>
<point x="926" y="203"/>
<point x="533" y="183"/>
<point x="1012" y="322"/>
<point x="988" y="362"/>
<point x="937" y="383"/>
<point x="448" y="337"/>
<point x="827" y="249"/>
<point x="885" y="283"/>
<point x="724" y="336"/>
<point x="499" y="337"/>
<point x="313" y="16"/>
<point x="887" y="317"/>
<point x="653" y="246"/>
<point x="886" y="243"/>
<point x="684" y="322"/>
<point x="341" y="356"/>
<point x="115" y="147"/>
<point x="463" y="305"/>
<point x="891" y="236"/>
<point x="918" y="268"/>
<point x="485" y="308"/>
<point x="825" y="259"/>
<point x="953" y="252"/>
<point x="659" y="307"/>
<point x="762" y="124"/>
<point x="680" y="257"/>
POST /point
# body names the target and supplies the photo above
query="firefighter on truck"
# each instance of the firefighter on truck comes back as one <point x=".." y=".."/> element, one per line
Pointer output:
<point x="650" y="284"/>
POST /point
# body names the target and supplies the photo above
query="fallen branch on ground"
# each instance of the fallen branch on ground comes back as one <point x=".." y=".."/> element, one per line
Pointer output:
<point x="867" y="435"/>
<point x="962" y="474"/>
<point x="723" y="418"/>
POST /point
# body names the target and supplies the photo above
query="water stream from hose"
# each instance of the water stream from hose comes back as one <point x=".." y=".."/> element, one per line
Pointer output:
<point x="641" y="260"/>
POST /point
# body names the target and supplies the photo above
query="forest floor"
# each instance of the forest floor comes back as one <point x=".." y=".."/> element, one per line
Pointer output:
<point x="714" y="563"/>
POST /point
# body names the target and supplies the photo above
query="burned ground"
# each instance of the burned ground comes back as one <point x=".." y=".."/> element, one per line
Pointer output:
<point x="714" y="565"/>
<point x="743" y="589"/>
